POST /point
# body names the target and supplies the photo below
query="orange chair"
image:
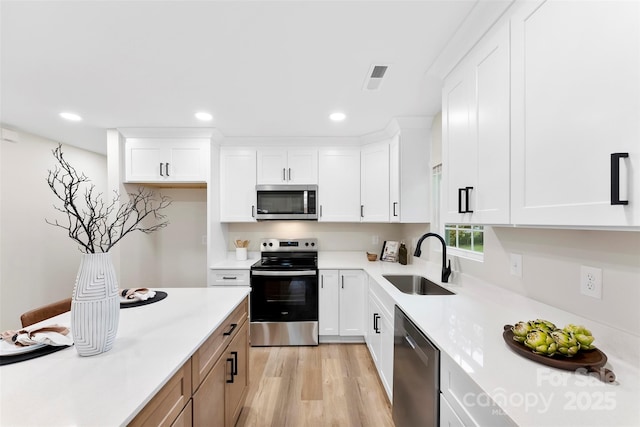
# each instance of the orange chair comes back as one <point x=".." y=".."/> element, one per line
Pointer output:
<point x="45" y="312"/>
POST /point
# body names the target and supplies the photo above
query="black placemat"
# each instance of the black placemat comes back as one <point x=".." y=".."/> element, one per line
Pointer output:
<point x="160" y="295"/>
<point x="42" y="351"/>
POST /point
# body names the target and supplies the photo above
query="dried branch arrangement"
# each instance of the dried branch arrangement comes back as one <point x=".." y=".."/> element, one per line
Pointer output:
<point x="94" y="225"/>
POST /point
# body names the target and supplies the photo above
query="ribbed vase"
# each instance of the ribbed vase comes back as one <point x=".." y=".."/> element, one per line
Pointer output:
<point x="95" y="306"/>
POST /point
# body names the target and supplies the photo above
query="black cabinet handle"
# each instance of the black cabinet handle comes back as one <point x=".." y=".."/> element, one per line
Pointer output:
<point x="229" y="277"/>
<point x="235" y="362"/>
<point x="361" y="211"/>
<point x="166" y="168"/>
<point x="230" y="331"/>
<point x="466" y="202"/>
<point x="376" y="328"/>
<point x="322" y="282"/>
<point x="284" y="174"/>
<point x="342" y="277"/>
<point x="460" y="193"/>
<point x="289" y="174"/>
<point x="320" y="211"/>
<point x="232" y="374"/>
<point x="615" y="178"/>
<point x="395" y="205"/>
<point x="253" y="211"/>
<point x="161" y="170"/>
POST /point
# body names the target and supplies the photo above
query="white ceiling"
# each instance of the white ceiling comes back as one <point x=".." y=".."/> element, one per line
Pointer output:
<point x="262" y="68"/>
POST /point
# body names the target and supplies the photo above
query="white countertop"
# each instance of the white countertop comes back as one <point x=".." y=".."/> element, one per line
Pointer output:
<point x="468" y="327"/>
<point x="153" y="341"/>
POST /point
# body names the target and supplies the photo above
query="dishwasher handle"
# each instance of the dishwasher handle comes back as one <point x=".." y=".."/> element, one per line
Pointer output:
<point x="424" y="357"/>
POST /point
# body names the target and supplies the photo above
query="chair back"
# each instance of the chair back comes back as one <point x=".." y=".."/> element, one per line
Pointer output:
<point x="45" y="312"/>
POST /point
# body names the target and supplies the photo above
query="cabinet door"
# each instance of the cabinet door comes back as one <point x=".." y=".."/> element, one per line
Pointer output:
<point x="208" y="401"/>
<point x="272" y="166"/>
<point x="373" y="335"/>
<point x="144" y="161"/>
<point x="237" y="385"/>
<point x="374" y="194"/>
<point x="302" y="166"/>
<point x="490" y="123"/>
<point x="394" y="179"/>
<point x="458" y="147"/>
<point x="188" y="161"/>
<point x="237" y="185"/>
<point x="448" y="417"/>
<point x="353" y="302"/>
<point x="329" y="303"/>
<point x="339" y="185"/>
<point x="575" y="101"/>
<point x="385" y="325"/>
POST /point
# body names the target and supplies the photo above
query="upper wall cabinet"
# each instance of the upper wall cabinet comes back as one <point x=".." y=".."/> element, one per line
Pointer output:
<point x="374" y="182"/>
<point x="339" y="184"/>
<point x="575" y="109"/>
<point x="237" y="185"/>
<point x="475" y="135"/>
<point x="410" y="172"/>
<point x="167" y="160"/>
<point x="288" y="166"/>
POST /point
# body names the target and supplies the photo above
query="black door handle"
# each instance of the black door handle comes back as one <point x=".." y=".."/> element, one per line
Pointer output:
<point x="395" y="205"/>
<point x="233" y="326"/>
<point x="232" y="374"/>
<point x="376" y="328"/>
<point x="253" y="211"/>
<point x="466" y="190"/>
<point x="235" y="362"/>
<point x="460" y="192"/>
<point x="615" y="178"/>
<point x="161" y="170"/>
<point x="361" y="211"/>
<point x="166" y="168"/>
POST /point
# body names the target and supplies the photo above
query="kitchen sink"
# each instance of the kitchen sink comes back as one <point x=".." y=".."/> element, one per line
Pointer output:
<point x="416" y="285"/>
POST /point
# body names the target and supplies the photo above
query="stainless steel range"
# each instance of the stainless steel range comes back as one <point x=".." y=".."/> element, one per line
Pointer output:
<point x="284" y="293"/>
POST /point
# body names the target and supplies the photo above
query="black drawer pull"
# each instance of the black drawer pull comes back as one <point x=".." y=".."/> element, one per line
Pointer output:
<point x="230" y="331"/>
<point x="229" y="277"/>
<point x="232" y="374"/>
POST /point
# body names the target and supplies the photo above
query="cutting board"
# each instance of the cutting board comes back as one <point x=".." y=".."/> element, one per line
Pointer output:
<point x="591" y="360"/>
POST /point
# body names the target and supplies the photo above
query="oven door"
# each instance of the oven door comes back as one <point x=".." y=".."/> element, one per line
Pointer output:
<point x="284" y="296"/>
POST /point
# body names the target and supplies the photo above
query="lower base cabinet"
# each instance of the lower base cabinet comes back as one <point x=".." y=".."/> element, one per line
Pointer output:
<point x="211" y="387"/>
<point x="379" y="337"/>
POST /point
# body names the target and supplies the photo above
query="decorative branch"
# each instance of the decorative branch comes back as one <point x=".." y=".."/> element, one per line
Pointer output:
<point x="94" y="225"/>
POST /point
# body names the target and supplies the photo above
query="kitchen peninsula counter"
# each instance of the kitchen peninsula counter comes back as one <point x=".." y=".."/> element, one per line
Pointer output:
<point x="468" y="326"/>
<point x="152" y="343"/>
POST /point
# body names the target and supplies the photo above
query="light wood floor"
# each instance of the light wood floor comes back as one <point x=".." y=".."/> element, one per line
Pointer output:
<point x="328" y="385"/>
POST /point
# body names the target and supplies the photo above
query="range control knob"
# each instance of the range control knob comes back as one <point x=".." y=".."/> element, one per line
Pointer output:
<point x="270" y="243"/>
<point x="313" y="244"/>
<point x="306" y="244"/>
<point x="264" y="244"/>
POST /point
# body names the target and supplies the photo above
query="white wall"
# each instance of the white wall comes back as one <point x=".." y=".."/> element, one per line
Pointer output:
<point x="39" y="262"/>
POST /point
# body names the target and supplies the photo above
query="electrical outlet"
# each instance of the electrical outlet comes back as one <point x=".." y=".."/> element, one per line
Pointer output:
<point x="515" y="265"/>
<point x="591" y="281"/>
<point x="375" y="240"/>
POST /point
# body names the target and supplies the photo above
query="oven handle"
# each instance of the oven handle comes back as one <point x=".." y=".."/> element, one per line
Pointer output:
<point x="284" y="273"/>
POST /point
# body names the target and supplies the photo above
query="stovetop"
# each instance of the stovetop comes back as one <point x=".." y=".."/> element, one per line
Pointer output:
<point x="288" y="254"/>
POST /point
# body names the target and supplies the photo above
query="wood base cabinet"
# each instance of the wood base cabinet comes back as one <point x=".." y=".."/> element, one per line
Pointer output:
<point x="211" y="387"/>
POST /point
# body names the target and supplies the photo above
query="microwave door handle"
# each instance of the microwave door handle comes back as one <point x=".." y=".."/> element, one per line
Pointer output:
<point x="305" y="201"/>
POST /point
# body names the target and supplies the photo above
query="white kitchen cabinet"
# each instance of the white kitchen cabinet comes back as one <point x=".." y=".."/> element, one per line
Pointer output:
<point x="342" y="302"/>
<point x="329" y="303"/>
<point x="471" y="406"/>
<point x="167" y="160"/>
<point x="410" y="172"/>
<point x="339" y="184"/>
<point x="379" y="337"/>
<point x="374" y="182"/>
<point x="475" y="135"/>
<point x="287" y="166"/>
<point x="575" y="102"/>
<point x="237" y="184"/>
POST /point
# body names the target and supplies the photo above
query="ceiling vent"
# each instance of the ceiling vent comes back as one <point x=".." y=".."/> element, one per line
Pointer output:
<point x="375" y="76"/>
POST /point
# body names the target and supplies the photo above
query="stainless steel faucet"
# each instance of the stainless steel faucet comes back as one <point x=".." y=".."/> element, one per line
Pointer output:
<point x="446" y="269"/>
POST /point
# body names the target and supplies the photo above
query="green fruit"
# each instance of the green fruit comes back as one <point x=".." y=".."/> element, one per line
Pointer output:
<point x="541" y="342"/>
<point x="520" y="331"/>
<point x="567" y="343"/>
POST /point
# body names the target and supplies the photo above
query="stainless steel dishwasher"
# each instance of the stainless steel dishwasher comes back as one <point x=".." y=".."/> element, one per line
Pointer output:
<point x="416" y="376"/>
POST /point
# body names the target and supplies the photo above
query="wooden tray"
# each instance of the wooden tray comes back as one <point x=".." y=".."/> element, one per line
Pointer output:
<point x="592" y="360"/>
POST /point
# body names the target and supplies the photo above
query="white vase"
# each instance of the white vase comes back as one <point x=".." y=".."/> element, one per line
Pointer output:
<point x="95" y="305"/>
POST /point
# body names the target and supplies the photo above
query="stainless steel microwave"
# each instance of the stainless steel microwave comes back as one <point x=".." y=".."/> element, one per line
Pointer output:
<point x="287" y="202"/>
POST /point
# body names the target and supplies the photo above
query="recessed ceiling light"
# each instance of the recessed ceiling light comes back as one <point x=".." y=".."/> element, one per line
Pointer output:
<point x="337" y="117"/>
<point x="205" y="117"/>
<point x="71" y="116"/>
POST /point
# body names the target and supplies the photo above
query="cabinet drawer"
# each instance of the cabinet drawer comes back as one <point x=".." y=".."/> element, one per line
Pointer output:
<point x="207" y="355"/>
<point x="461" y="392"/>
<point x="166" y="406"/>
<point x="230" y="278"/>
